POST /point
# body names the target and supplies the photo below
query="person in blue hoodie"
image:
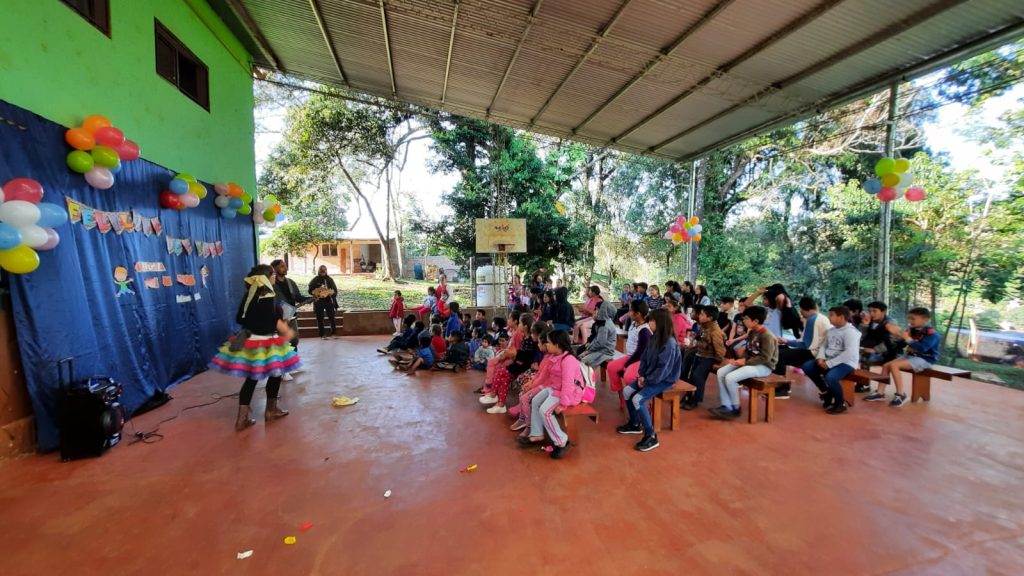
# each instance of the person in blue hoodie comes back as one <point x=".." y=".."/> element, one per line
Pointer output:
<point x="922" y="351"/>
<point x="454" y="323"/>
<point x="660" y="366"/>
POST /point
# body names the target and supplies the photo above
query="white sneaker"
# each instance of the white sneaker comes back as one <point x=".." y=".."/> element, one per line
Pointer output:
<point x="496" y="409"/>
<point x="486" y="399"/>
<point x="287" y="378"/>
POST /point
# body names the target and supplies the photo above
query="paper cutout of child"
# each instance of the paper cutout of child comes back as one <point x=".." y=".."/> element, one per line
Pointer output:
<point x="122" y="280"/>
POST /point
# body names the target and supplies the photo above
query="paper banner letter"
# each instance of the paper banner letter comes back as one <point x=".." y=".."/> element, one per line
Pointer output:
<point x="103" y="221"/>
<point x="115" y="222"/>
<point x="170" y="244"/>
<point x="177" y="247"/>
<point x="166" y="281"/>
<point x="187" y="245"/>
<point x="74" y="210"/>
<point x="150" y="267"/>
<point x="157" y="228"/>
<point x="125" y="219"/>
<point x="88" y="217"/>
<point x="183" y="298"/>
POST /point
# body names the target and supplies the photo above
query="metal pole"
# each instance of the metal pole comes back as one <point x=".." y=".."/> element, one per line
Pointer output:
<point x="885" y="221"/>
<point x="689" y="214"/>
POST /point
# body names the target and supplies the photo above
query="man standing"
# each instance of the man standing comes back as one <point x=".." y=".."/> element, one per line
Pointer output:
<point x="325" y="300"/>
<point x="288" y="293"/>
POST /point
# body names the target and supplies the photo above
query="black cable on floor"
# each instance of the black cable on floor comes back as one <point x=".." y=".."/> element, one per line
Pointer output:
<point x="145" y="437"/>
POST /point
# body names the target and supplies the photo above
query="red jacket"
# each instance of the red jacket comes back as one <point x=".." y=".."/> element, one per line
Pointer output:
<point x="397" y="307"/>
<point x="439" y="346"/>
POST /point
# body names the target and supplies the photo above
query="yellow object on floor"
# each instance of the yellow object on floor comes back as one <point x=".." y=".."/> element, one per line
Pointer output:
<point x="340" y="401"/>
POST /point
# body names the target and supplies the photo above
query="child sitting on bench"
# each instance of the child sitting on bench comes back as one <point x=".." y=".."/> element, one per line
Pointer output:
<point x="922" y="351"/>
<point x="762" y="352"/>
<point x="836" y="360"/>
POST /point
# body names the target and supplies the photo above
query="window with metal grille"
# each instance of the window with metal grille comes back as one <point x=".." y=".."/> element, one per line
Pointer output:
<point x="179" y="66"/>
<point x="328" y="249"/>
<point x="96" y="12"/>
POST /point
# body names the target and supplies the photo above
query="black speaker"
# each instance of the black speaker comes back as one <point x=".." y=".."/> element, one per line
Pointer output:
<point x="90" y="417"/>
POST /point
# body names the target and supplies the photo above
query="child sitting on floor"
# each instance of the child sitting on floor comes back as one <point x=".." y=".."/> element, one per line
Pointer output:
<point x="454" y="322"/>
<point x="922" y="351"/>
<point x="483" y="353"/>
<point x="401" y="342"/>
<point x="421" y="356"/>
<point x="437" y="343"/>
<point x="457" y="356"/>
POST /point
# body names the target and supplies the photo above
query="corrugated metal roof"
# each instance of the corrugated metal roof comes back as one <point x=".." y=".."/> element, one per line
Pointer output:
<point x="675" y="78"/>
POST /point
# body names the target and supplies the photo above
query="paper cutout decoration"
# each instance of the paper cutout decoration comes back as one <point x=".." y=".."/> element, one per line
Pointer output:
<point x="204" y="273"/>
<point x="152" y="283"/>
<point x="197" y="296"/>
<point x="186" y="279"/>
<point x="119" y="222"/>
<point x="166" y="281"/>
<point x="150" y="267"/>
<point x="122" y="280"/>
<point x="183" y="298"/>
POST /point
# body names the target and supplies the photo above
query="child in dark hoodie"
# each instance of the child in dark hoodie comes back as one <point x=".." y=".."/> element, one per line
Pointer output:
<point x="562" y="315"/>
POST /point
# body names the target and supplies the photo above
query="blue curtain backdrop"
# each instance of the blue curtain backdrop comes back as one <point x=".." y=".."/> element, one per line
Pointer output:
<point x="147" y="341"/>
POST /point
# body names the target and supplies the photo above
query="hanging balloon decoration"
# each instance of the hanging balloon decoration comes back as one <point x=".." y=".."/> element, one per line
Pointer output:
<point x="26" y="225"/>
<point x="99" y="150"/>
<point x="232" y="200"/>
<point x="183" y="192"/>
<point x="894" y="181"/>
<point x="684" y="230"/>
<point x="268" y="212"/>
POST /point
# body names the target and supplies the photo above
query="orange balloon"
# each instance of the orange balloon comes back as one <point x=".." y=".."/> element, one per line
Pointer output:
<point x="276" y="208"/>
<point x="234" y="190"/>
<point x="94" y="123"/>
<point x="695" y="238"/>
<point x="693" y="221"/>
<point x="79" y="139"/>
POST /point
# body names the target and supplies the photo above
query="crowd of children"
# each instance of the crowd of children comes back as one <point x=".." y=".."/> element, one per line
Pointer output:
<point x="539" y="360"/>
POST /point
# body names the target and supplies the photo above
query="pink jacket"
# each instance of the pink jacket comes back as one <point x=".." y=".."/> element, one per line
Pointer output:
<point x="683" y="325"/>
<point x="563" y="376"/>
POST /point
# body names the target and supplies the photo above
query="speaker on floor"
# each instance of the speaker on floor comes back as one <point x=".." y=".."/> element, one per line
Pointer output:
<point x="90" y="415"/>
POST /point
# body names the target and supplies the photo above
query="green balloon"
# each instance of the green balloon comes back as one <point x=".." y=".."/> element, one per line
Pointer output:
<point x="269" y="215"/>
<point x="885" y="166"/>
<point x="80" y="161"/>
<point x="270" y="200"/>
<point x="104" y="156"/>
<point x="245" y="210"/>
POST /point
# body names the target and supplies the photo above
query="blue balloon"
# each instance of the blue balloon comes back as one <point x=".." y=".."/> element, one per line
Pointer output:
<point x="51" y="215"/>
<point x="872" y="185"/>
<point x="235" y="203"/>
<point x="178" y="186"/>
<point x="10" y="237"/>
<point x="116" y="168"/>
<point x="228" y="212"/>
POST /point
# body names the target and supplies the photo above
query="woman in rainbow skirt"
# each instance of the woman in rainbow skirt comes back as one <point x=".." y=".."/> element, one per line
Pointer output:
<point x="261" y="349"/>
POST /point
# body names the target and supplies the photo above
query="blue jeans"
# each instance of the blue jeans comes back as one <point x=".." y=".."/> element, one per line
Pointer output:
<point x="636" y="403"/>
<point x="828" y="380"/>
<point x="699" y="376"/>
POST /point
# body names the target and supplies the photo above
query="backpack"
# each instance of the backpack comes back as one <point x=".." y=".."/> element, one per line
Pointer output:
<point x="586" y="382"/>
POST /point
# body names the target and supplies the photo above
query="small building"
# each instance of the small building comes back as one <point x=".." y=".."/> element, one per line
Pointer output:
<point x="354" y="252"/>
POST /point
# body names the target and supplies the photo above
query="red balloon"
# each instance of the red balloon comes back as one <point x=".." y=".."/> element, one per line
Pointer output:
<point x="25" y="189"/>
<point x="109" y="136"/>
<point x="887" y="194"/>
<point x="127" y="150"/>
<point x="170" y="200"/>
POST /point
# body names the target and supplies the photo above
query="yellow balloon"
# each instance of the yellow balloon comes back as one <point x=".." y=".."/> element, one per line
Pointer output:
<point x="197" y="189"/>
<point x="677" y="237"/>
<point x="19" y="260"/>
<point x="187" y="177"/>
<point x="901" y="166"/>
<point x="890" y="180"/>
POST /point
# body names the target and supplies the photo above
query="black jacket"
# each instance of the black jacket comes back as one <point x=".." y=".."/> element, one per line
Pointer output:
<point x="325" y="282"/>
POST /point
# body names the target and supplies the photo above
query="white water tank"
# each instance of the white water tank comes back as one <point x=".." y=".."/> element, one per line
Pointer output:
<point x="485" y="278"/>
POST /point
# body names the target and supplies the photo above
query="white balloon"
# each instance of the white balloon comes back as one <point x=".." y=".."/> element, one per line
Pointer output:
<point x="257" y="218"/>
<point x="906" y="181"/>
<point x="19" y="213"/>
<point x="33" y="236"/>
<point x="190" y="199"/>
<point x="258" y="207"/>
<point x="1" y="196"/>
<point x="221" y="201"/>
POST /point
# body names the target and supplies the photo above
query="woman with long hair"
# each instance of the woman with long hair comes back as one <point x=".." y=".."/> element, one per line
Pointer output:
<point x="659" y="370"/>
<point x="261" y="349"/>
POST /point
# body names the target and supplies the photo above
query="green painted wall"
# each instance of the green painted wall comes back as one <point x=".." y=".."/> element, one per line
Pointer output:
<point x="56" y="64"/>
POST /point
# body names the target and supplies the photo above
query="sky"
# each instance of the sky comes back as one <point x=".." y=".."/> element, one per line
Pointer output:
<point x="944" y="135"/>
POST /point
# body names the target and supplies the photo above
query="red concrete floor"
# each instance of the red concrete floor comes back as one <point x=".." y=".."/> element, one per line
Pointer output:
<point x="934" y="488"/>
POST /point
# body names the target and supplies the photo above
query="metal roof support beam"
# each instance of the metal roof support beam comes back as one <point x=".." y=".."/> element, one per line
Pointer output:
<point x="515" y="55"/>
<point x="661" y="57"/>
<point x="781" y="34"/>
<point x="451" y="44"/>
<point x="583" y="59"/>
<point x="253" y="30"/>
<point x="870" y="42"/>
<point x="327" y="38"/>
<point x="387" y="46"/>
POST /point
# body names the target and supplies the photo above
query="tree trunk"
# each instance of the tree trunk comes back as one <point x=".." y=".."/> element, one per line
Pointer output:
<point x="389" y="273"/>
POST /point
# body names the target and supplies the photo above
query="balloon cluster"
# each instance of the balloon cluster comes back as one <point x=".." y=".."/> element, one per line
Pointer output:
<point x="268" y="212"/>
<point x="895" y="180"/>
<point x="232" y="200"/>
<point x="26" y="225"/>
<point x="99" y="149"/>
<point x="184" y="191"/>
<point x="683" y="230"/>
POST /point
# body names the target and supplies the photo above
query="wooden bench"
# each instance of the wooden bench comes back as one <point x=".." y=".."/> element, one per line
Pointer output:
<point x="764" y="386"/>
<point x="571" y="415"/>
<point x="850" y="382"/>
<point x="604" y="365"/>
<point x="674" y="396"/>
<point x="620" y="340"/>
<point x="922" y="381"/>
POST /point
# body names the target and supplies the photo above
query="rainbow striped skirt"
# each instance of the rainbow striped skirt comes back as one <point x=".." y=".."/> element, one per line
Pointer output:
<point x="261" y="357"/>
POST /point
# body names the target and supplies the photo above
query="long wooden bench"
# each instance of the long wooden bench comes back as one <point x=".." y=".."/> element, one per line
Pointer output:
<point x="922" y="381"/>
<point x="673" y="396"/>
<point x="764" y="386"/>
<point x="570" y="417"/>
